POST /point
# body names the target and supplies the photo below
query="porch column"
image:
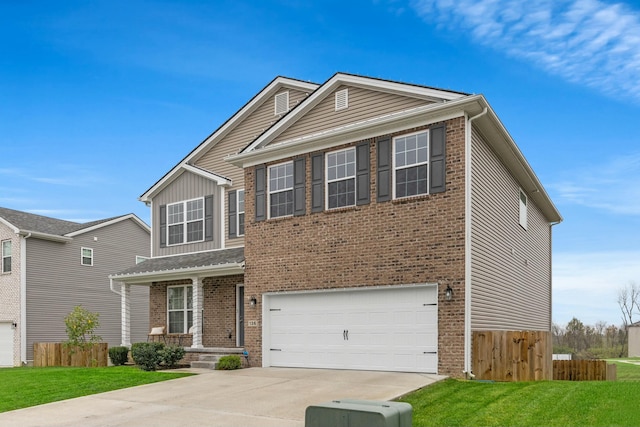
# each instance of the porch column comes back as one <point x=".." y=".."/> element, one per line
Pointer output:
<point x="125" y="309"/>
<point x="197" y="313"/>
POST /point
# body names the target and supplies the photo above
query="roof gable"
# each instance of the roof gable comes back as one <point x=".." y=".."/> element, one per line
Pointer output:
<point x="275" y="86"/>
<point x="322" y="99"/>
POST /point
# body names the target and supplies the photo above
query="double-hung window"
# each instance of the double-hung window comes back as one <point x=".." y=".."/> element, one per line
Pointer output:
<point x="281" y="190"/>
<point x="341" y="178"/>
<point x="86" y="256"/>
<point x="240" y="213"/>
<point x="411" y="164"/>
<point x="179" y="309"/>
<point x="6" y="256"/>
<point x="185" y="222"/>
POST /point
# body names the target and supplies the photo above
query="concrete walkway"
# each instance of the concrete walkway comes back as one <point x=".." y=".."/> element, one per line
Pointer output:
<point x="246" y="397"/>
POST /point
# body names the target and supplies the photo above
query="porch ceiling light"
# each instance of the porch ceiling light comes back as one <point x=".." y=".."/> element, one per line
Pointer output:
<point x="448" y="293"/>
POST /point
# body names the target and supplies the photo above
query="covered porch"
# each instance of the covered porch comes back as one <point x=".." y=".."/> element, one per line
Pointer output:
<point x="195" y="300"/>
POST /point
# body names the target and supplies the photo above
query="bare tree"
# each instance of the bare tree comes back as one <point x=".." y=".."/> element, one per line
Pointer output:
<point x="629" y="303"/>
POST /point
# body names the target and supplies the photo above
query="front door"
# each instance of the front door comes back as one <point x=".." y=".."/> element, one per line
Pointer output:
<point x="240" y="316"/>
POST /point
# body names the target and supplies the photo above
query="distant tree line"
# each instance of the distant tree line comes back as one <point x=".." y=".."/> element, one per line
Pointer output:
<point x="600" y="340"/>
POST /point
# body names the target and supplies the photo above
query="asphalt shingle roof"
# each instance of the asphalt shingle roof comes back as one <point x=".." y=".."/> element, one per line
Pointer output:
<point x="180" y="262"/>
<point x="44" y="224"/>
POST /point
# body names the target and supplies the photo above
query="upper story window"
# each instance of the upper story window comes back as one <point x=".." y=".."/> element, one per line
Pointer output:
<point x="179" y="308"/>
<point x="281" y="190"/>
<point x="523" y="209"/>
<point x="6" y="256"/>
<point x="281" y="102"/>
<point x="86" y="256"/>
<point x="411" y="164"/>
<point x="240" y="212"/>
<point x="341" y="178"/>
<point x="185" y="222"/>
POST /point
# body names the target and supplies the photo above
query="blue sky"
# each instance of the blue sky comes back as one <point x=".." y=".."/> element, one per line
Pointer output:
<point x="98" y="100"/>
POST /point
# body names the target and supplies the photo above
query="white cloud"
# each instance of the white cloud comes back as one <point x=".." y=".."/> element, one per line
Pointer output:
<point x="613" y="186"/>
<point x="587" y="42"/>
<point x="585" y="285"/>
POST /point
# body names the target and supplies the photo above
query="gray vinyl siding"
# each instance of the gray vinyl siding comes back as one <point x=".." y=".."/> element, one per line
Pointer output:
<point x="363" y="104"/>
<point x="242" y="135"/>
<point x="510" y="266"/>
<point x="57" y="282"/>
<point x="186" y="187"/>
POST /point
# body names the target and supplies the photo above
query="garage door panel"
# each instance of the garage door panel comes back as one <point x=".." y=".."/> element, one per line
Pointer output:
<point x="391" y="329"/>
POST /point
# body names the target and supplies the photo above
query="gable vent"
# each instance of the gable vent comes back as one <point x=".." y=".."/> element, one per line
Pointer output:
<point x="282" y="103"/>
<point x="342" y="99"/>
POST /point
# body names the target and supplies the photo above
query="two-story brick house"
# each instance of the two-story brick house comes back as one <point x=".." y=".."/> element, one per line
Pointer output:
<point x="382" y="223"/>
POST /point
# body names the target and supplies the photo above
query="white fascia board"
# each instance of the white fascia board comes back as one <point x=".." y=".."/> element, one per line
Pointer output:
<point x="223" y="130"/>
<point x="45" y="236"/>
<point x="218" y="179"/>
<point x="132" y="217"/>
<point x="388" y="123"/>
<point x="181" y="273"/>
<point x="346" y="79"/>
<point x="11" y="226"/>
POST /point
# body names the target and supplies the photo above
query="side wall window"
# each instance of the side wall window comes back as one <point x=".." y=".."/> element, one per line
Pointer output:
<point x="523" y="209"/>
<point x="6" y="256"/>
<point x="86" y="256"/>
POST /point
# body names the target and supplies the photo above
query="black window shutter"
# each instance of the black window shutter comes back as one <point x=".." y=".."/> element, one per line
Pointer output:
<point x="299" y="181"/>
<point x="384" y="169"/>
<point x="261" y="196"/>
<point x="163" y="226"/>
<point x="233" y="218"/>
<point x="208" y="218"/>
<point x="437" y="166"/>
<point x="363" y="182"/>
<point x="317" y="182"/>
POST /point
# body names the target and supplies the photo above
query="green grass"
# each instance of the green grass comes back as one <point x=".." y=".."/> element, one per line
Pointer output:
<point x="24" y="387"/>
<point x="543" y="403"/>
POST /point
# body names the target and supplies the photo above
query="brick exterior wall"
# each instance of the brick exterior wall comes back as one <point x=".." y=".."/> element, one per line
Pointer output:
<point x="408" y="241"/>
<point x="219" y="305"/>
<point x="10" y="290"/>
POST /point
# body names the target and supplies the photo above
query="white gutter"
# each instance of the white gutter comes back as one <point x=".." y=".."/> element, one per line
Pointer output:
<point x="205" y="271"/>
<point x="23" y="298"/>
<point x="467" y="244"/>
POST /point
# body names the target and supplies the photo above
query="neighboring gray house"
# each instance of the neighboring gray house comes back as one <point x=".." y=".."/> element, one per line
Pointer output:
<point x="49" y="266"/>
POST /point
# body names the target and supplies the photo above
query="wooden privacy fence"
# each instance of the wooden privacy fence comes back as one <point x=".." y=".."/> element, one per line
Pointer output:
<point x="512" y="355"/>
<point x="583" y="370"/>
<point x="58" y="354"/>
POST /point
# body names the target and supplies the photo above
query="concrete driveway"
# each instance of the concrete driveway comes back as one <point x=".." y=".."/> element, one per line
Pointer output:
<point x="246" y="397"/>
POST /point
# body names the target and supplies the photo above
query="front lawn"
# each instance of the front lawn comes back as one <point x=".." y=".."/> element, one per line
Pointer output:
<point x="23" y="387"/>
<point x="543" y="403"/>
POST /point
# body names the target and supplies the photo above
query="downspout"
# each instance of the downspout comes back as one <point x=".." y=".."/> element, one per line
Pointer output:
<point x="23" y="299"/>
<point x="467" y="244"/>
<point x="112" y="288"/>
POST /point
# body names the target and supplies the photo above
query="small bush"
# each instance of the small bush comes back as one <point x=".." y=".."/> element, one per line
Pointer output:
<point x="170" y="355"/>
<point x="119" y="355"/>
<point x="147" y="354"/>
<point x="229" y="362"/>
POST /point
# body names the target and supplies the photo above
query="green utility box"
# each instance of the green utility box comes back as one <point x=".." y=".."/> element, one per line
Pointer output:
<point x="359" y="413"/>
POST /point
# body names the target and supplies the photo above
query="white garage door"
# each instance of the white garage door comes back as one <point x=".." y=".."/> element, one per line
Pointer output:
<point x="6" y="344"/>
<point x="385" y="329"/>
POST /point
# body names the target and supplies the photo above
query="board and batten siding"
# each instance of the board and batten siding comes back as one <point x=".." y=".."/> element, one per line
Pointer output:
<point x="10" y="289"/>
<point x="238" y="138"/>
<point x="186" y="187"/>
<point x="363" y="104"/>
<point x="510" y="266"/>
<point x="57" y="282"/>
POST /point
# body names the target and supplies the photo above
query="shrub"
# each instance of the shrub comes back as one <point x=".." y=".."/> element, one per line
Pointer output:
<point x="170" y="355"/>
<point x="146" y="354"/>
<point x="119" y="355"/>
<point x="229" y="362"/>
